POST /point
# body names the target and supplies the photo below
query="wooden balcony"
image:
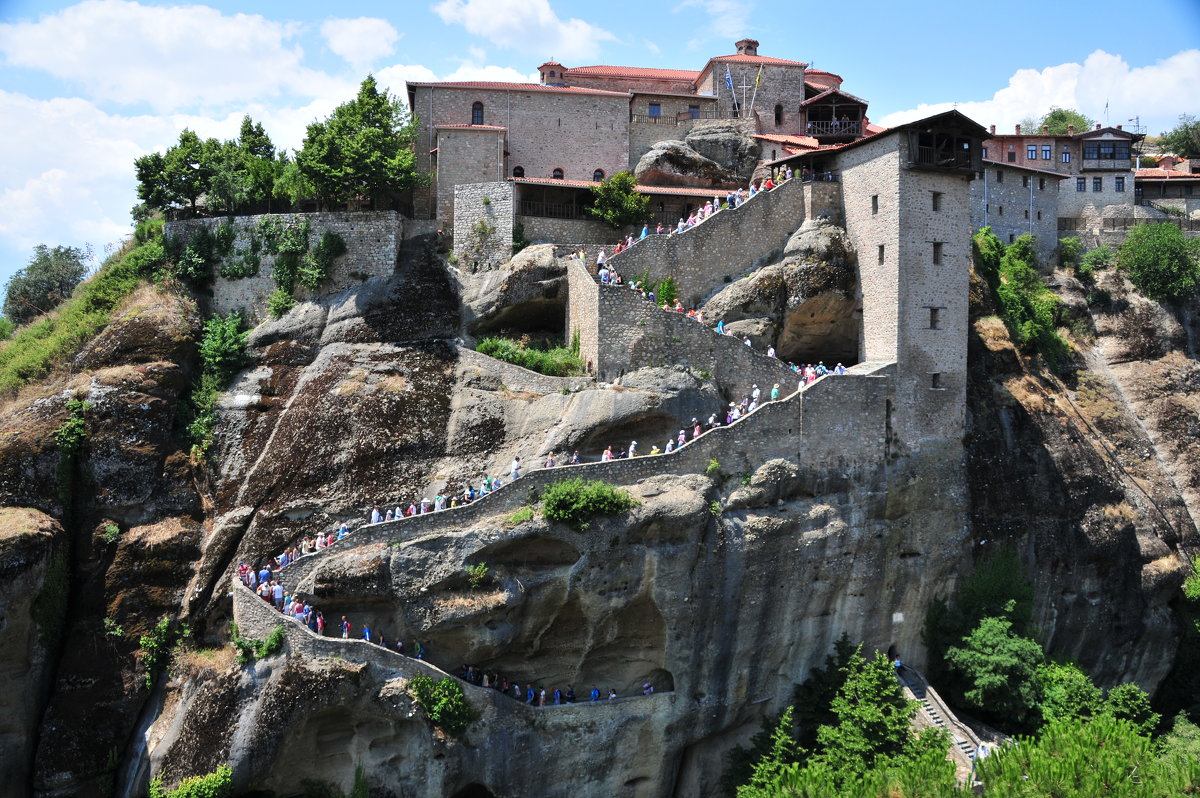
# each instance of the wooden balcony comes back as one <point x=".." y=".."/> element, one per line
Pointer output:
<point x="835" y="129"/>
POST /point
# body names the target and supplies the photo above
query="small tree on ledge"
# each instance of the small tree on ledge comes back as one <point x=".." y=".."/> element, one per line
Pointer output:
<point x="615" y="201"/>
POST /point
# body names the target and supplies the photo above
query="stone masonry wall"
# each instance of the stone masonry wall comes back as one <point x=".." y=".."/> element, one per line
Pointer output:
<point x="373" y="240"/>
<point x="726" y="245"/>
<point x="483" y="230"/>
<point x="1007" y="206"/>
<point x="588" y="233"/>
<point x="583" y="309"/>
<point x="633" y="334"/>
<point x="854" y="407"/>
<point x="465" y="156"/>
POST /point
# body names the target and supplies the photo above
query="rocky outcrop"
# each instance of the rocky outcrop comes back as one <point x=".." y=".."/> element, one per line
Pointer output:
<point x="527" y="295"/>
<point x="728" y="143"/>
<point x="674" y="163"/>
<point x="803" y="304"/>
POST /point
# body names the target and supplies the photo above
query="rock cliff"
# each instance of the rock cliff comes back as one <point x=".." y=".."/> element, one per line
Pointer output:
<point x="720" y="587"/>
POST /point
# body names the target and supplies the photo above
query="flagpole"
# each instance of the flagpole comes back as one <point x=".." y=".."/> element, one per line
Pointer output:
<point x="754" y="95"/>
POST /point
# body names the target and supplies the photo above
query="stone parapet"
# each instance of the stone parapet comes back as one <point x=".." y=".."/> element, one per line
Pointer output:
<point x="721" y="248"/>
<point x="829" y="428"/>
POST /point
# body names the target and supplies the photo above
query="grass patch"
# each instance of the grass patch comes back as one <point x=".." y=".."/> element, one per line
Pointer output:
<point x="37" y="348"/>
<point x="218" y="784"/>
<point x="249" y="649"/>
<point x="520" y="516"/>
<point x="469" y="602"/>
<point x="222" y="354"/>
<point x="576" y="501"/>
<point x="558" y="361"/>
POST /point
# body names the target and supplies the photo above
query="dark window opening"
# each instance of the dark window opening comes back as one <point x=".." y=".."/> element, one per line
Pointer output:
<point x="874" y="203"/>
<point x="1000" y="175"/>
<point x="1097" y="184"/>
<point x="1080" y="183"/>
<point x="694" y="111"/>
<point x="1041" y="184"/>
<point x="1119" y="183"/>
<point x="476" y="113"/>
<point x="1012" y="157"/>
<point x="1106" y="151"/>
<point x="934" y="321"/>
<point x="1039" y="216"/>
<point x="937" y="253"/>
<point x="1024" y="181"/>
<point x="655" y="110"/>
<point x="935" y="381"/>
<point x="881" y="254"/>
<point x="557" y="174"/>
<point x="598" y="175"/>
<point x="937" y="201"/>
<point x="518" y="171"/>
<point x="778" y="115"/>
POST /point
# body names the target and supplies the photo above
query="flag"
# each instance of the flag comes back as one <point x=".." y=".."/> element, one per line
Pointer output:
<point x="728" y="79"/>
<point x="758" y="78"/>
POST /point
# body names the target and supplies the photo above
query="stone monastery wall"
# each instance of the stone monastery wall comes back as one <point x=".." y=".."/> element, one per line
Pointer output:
<point x="632" y="333"/>
<point x="373" y="240"/>
<point x="726" y="245"/>
<point x="483" y="231"/>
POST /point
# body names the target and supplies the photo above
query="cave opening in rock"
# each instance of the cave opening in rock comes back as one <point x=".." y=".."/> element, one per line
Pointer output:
<point x="542" y="318"/>
<point x="474" y="790"/>
<point x="648" y="430"/>
<point x="824" y="328"/>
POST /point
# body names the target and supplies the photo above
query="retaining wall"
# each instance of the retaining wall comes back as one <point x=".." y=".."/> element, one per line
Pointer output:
<point x="727" y="245"/>
<point x="483" y="230"/>
<point x="373" y="240"/>
<point x="829" y="428"/>
<point x="630" y="332"/>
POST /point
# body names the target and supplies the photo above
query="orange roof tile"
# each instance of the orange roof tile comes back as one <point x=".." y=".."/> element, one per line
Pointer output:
<point x="796" y="141"/>
<point x="498" y="86"/>
<point x="739" y="58"/>
<point x="1154" y="173"/>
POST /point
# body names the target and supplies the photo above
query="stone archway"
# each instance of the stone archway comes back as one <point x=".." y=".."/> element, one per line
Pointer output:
<point x="474" y="790"/>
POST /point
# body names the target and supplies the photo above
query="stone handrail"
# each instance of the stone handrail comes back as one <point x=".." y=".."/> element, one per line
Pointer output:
<point x="773" y="430"/>
<point x="701" y="257"/>
<point x="257" y="619"/>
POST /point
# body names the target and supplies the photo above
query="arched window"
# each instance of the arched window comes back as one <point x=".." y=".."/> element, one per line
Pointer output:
<point x="598" y="175"/>
<point x="557" y="174"/>
<point x="476" y="113"/>
<point x="551" y="73"/>
<point x="518" y="171"/>
<point x="778" y="115"/>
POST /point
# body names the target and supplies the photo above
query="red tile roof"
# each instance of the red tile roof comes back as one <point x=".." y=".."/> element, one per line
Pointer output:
<point x="811" y="71"/>
<point x="1164" y="174"/>
<point x="828" y="92"/>
<point x="663" y="190"/>
<point x="739" y="58"/>
<point x="493" y="85"/>
<point x="796" y="141"/>
<point x="635" y="72"/>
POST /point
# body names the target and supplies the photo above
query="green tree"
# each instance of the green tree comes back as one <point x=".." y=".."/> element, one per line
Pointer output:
<point x="873" y="717"/>
<point x="1076" y="758"/>
<point x="1183" y="139"/>
<point x="1161" y="261"/>
<point x="230" y="183"/>
<point x="45" y="282"/>
<point x="999" y="668"/>
<point x="1129" y="702"/>
<point x="1059" y="119"/>
<point x="781" y="752"/>
<point x="1067" y="692"/>
<point x="617" y="202"/>
<point x="187" y="168"/>
<point x="363" y="149"/>
<point x="444" y="702"/>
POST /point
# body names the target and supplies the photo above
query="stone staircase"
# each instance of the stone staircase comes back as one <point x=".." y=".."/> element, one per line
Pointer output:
<point x="964" y="742"/>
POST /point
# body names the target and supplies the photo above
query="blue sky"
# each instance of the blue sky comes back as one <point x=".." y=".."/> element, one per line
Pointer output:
<point x="87" y="87"/>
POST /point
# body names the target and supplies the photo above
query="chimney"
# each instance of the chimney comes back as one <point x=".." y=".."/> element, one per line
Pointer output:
<point x="1097" y="126"/>
<point x="1119" y="127"/>
<point x="747" y="47"/>
<point x="992" y="129"/>
<point x="1070" y="130"/>
<point x="1045" y="130"/>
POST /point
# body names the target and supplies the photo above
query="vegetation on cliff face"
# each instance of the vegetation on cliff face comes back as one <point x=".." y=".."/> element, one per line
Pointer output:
<point x="557" y="361"/>
<point x="576" y="501"/>
<point x="218" y="784"/>
<point x="444" y="702"/>
<point x="222" y="354"/>
<point x="1161" y="261"/>
<point x="37" y="348"/>
<point x="45" y="282"/>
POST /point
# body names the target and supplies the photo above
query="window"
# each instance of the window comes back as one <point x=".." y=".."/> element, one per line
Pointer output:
<point x="1000" y="212"/>
<point x="1012" y="237"/>
<point x="881" y="254"/>
<point x="874" y="204"/>
<point x="476" y="113"/>
<point x="518" y="171"/>
<point x="551" y="73"/>
<point x="937" y="201"/>
<point x="1047" y="152"/>
<point x="1041" y="184"/>
<point x="1026" y="213"/>
<point x="778" y="115"/>
<point x="1066" y="154"/>
<point x="1012" y="157"/>
<point x="1081" y="184"/>
<point x="694" y="111"/>
<point x="598" y="175"/>
<point x="1097" y="184"/>
<point x="557" y="174"/>
<point x="937" y="253"/>
<point x="935" y="381"/>
<point x="933" y="318"/>
<point x="655" y="110"/>
<point x="1031" y="152"/>
<point x="1024" y="181"/>
<point x="1000" y="175"/>
<point x="985" y="152"/>
<point x="1039" y="216"/>
<point x="1106" y="150"/>
<point x="1119" y="183"/>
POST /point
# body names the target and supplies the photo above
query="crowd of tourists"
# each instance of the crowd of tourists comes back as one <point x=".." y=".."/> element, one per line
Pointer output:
<point x="537" y="695"/>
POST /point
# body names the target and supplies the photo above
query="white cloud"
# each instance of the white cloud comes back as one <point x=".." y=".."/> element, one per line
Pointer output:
<point x="360" y="42"/>
<point x="171" y="57"/>
<point x="1157" y="93"/>
<point x="530" y="26"/>
<point x="727" y="19"/>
